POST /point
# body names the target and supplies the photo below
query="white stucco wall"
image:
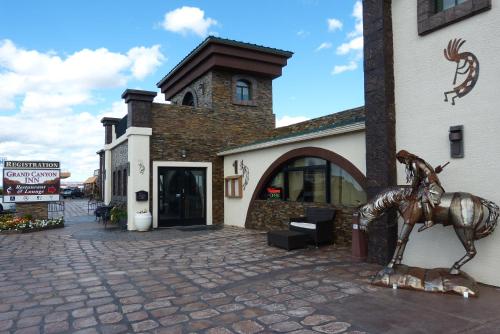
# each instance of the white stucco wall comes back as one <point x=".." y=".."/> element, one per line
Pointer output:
<point x="351" y="146"/>
<point x="422" y="75"/>
<point x="138" y="179"/>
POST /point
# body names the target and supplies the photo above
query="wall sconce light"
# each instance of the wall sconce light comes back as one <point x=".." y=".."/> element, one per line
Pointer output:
<point x="183" y="153"/>
<point x="456" y="137"/>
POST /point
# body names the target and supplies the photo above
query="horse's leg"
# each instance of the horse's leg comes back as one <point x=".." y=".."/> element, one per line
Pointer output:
<point x="466" y="236"/>
<point x="401" y="245"/>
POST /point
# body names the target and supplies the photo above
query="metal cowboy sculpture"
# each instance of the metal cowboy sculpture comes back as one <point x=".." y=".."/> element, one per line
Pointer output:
<point x="425" y="201"/>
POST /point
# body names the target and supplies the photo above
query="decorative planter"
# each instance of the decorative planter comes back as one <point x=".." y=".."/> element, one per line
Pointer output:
<point x="142" y="221"/>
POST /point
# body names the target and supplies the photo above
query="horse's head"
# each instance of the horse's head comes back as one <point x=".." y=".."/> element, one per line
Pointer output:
<point x="364" y="216"/>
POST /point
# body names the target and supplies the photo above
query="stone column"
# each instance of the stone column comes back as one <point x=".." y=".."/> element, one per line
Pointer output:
<point x="380" y="120"/>
<point x="38" y="210"/>
<point x="138" y="135"/>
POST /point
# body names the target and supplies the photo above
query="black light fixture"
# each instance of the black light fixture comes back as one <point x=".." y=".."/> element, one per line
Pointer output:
<point x="456" y="137"/>
<point x="183" y="153"/>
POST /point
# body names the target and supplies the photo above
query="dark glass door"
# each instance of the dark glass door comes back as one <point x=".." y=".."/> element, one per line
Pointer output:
<point x="181" y="196"/>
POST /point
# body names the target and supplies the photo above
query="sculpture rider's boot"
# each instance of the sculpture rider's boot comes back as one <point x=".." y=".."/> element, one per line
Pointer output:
<point x="428" y="217"/>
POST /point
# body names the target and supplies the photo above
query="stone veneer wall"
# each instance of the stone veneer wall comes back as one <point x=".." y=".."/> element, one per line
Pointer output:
<point x="203" y="133"/>
<point x="201" y="89"/>
<point x="380" y="121"/>
<point x="119" y="160"/>
<point x="269" y="215"/>
<point x="217" y="95"/>
<point x="37" y="210"/>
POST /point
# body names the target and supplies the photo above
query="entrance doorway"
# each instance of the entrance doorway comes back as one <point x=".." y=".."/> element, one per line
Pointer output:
<point x="181" y="196"/>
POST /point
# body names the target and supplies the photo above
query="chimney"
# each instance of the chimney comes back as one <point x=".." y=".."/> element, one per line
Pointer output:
<point x="108" y="123"/>
<point x="139" y="107"/>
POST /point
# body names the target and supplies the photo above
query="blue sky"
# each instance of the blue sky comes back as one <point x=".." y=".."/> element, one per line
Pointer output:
<point x="64" y="64"/>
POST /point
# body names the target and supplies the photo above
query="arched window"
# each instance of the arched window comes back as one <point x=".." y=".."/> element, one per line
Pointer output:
<point x="188" y="99"/>
<point x="312" y="179"/>
<point x="243" y="90"/>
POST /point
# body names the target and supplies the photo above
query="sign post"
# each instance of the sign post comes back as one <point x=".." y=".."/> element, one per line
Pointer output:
<point x="31" y="184"/>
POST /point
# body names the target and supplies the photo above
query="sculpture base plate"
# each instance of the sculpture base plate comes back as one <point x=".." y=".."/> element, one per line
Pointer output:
<point x="428" y="280"/>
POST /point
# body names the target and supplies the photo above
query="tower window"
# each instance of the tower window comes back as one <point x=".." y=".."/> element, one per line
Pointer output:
<point x="243" y="90"/>
<point x="446" y="4"/>
<point x="188" y="99"/>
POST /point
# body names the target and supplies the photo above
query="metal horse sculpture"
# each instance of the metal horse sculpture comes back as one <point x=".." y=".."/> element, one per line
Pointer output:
<point x="472" y="218"/>
<point x="467" y="63"/>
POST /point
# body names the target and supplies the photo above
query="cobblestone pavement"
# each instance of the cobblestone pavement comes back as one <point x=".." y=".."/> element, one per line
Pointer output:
<point x="76" y="208"/>
<point x="87" y="279"/>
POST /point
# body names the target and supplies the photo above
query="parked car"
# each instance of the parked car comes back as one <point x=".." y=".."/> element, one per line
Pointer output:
<point x="6" y="207"/>
<point x="72" y="193"/>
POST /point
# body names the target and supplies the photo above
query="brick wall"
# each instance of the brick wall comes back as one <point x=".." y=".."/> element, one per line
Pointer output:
<point x="269" y="215"/>
<point x="204" y="132"/>
<point x="37" y="210"/>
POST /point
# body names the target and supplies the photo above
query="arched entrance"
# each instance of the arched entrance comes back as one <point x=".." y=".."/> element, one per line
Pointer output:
<point x="301" y="178"/>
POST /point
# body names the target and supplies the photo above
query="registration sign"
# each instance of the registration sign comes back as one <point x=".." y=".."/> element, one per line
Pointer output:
<point x="31" y="181"/>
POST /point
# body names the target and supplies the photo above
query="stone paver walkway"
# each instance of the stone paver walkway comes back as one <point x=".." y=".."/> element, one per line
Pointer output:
<point x="85" y="279"/>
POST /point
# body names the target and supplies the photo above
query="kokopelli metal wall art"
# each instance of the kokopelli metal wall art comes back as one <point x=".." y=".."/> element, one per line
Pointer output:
<point x="467" y="65"/>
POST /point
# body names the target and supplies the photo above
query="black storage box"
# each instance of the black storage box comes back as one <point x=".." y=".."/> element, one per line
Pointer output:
<point x="287" y="239"/>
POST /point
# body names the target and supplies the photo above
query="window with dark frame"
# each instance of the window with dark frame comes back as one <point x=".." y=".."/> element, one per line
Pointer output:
<point x="114" y="183"/>
<point x="118" y="186"/>
<point x="243" y="90"/>
<point x="446" y="4"/>
<point x="311" y="179"/>
<point x="124" y="182"/>
<point x="437" y="14"/>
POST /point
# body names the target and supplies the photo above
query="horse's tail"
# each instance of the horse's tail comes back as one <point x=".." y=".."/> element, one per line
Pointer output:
<point x="491" y="221"/>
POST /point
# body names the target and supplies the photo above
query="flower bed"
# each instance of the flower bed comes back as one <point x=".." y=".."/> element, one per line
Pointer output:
<point x="12" y="224"/>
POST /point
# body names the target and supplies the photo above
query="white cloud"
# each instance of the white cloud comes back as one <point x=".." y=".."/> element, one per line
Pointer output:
<point x="73" y="139"/>
<point x="334" y="24"/>
<point x="345" y="68"/>
<point x="145" y="60"/>
<point x="188" y="19"/>
<point x="288" y="120"/>
<point x="160" y="98"/>
<point x="302" y="33"/>
<point x="44" y="90"/>
<point x="357" y="13"/>
<point x="355" y="44"/>
<point x="46" y="78"/>
<point x="323" y="46"/>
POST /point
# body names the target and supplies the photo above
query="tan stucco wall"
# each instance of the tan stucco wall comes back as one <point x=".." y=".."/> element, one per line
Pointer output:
<point x="350" y="146"/>
<point x="422" y="75"/>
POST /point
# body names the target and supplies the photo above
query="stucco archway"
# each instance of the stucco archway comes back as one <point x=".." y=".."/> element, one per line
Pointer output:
<point x="301" y="152"/>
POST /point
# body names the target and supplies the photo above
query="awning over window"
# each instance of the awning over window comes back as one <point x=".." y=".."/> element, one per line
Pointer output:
<point x="90" y="180"/>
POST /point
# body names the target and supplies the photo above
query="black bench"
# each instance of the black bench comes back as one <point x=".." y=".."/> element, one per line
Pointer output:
<point x="287" y="239"/>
